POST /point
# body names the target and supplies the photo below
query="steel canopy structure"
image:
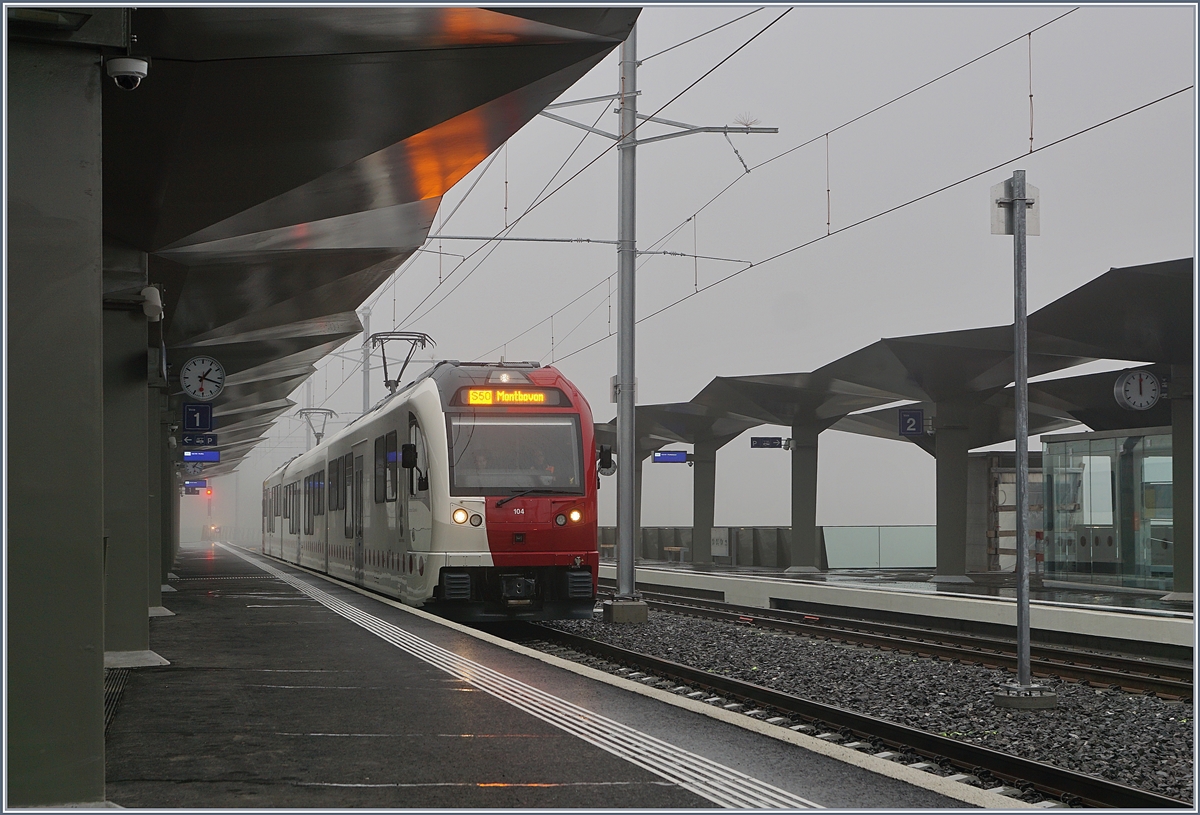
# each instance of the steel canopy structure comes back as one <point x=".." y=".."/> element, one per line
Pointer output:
<point x="277" y="165"/>
<point x="963" y="381"/>
<point x="274" y="166"/>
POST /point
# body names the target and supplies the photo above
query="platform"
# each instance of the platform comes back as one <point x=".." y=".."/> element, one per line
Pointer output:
<point x="1084" y="616"/>
<point x="288" y="690"/>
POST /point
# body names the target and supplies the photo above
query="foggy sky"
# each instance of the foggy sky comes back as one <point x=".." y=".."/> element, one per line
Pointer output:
<point x="1121" y="194"/>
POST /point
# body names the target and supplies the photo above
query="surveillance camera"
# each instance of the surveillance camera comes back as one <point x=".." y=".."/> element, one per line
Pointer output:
<point x="127" y="72"/>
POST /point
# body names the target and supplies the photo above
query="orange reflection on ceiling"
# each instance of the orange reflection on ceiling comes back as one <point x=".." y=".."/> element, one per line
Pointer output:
<point x="440" y="156"/>
<point x="469" y="26"/>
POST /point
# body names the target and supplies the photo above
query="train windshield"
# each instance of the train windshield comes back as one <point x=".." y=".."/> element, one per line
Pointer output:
<point x="503" y="455"/>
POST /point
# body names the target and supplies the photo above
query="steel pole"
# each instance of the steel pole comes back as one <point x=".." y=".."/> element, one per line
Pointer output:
<point x="1021" y="401"/>
<point x="366" y="358"/>
<point x="626" y="247"/>
<point x="308" y="402"/>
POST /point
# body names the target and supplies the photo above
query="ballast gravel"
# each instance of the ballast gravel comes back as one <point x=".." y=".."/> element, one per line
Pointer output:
<point x="1141" y="741"/>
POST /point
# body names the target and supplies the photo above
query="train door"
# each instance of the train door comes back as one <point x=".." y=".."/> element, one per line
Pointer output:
<point x="420" y="514"/>
<point x="354" y="513"/>
<point x="328" y="499"/>
<point x="298" y="517"/>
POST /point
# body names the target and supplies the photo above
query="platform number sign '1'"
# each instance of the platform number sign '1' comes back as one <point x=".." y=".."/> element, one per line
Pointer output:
<point x="912" y="423"/>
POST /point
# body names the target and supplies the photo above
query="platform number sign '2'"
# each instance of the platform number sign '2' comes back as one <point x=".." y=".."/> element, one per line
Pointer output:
<point x="912" y="423"/>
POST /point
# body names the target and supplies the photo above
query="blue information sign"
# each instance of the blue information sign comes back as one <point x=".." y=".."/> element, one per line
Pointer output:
<point x="766" y="441"/>
<point x="202" y="482"/>
<point x="670" y="456"/>
<point x="197" y="417"/>
<point x="212" y="456"/>
<point x="912" y="422"/>
<point x="199" y="439"/>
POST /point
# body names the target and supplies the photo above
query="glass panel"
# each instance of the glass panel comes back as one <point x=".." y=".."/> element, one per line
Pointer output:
<point x="852" y="547"/>
<point x="1109" y="512"/>
<point x="514" y="453"/>
<point x="907" y="547"/>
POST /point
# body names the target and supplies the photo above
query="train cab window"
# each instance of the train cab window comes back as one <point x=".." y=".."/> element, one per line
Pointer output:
<point x="507" y="454"/>
<point x="418" y="477"/>
<point x="393" y="466"/>
<point x="380" y="471"/>
<point x="387" y="468"/>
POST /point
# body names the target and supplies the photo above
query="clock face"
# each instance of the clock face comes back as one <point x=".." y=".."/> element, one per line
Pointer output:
<point x="1137" y="390"/>
<point x="193" y="467"/>
<point x="202" y="378"/>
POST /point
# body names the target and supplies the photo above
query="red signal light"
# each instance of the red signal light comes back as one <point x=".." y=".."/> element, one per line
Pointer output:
<point x="208" y="493"/>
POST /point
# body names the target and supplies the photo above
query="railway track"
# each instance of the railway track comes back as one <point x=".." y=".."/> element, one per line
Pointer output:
<point x="1171" y="680"/>
<point x="867" y="733"/>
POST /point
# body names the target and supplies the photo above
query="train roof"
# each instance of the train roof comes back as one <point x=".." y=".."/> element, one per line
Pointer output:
<point x="449" y="374"/>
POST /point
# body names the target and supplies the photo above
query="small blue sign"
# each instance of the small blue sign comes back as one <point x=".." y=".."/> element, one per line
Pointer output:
<point x="670" y="456"/>
<point x="197" y="417"/>
<point x="203" y="482"/>
<point x="912" y="422"/>
<point x="211" y="456"/>
<point x="199" y="439"/>
<point x="766" y="441"/>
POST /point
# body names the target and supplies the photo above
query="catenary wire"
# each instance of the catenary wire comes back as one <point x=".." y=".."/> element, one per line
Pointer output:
<point x="547" y="196"/>
<point x="698" y="36"/>
<point x="888" y="211"/>
<point x="667" y="237"/>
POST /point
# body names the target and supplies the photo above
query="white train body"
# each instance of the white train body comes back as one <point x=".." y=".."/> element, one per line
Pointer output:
<point x="473" y="540"/>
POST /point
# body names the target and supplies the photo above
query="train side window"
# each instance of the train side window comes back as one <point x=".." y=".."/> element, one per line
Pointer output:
<point x="333" y="483"/>
<point x="319" y="491"/>
<point x="393" y="466"/>
<point x="418" y="477"/>
<point x="380" y="470"/>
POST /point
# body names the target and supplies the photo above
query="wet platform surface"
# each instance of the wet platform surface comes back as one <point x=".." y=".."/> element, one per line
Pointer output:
<point x="286" y="690"/>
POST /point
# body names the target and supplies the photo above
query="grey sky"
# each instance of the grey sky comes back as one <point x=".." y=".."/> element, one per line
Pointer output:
<point x="1119" y="195"/>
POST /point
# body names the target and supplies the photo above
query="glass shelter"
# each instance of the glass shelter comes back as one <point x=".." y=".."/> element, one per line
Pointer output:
<point x="1108" y="508"/>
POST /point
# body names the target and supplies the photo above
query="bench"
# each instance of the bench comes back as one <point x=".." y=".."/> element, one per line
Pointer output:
<point x="678" y="550"/>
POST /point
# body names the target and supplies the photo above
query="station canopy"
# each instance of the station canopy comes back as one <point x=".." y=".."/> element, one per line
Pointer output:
<point x="278" y="164"/>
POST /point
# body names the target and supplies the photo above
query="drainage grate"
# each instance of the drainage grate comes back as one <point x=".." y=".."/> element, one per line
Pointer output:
<point x="114" y="685"/>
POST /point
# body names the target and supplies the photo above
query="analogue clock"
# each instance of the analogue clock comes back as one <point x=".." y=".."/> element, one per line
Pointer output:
<point x="202" y="378"/>
<point x="193" y="467"/>
<point x="1137" y="390"/>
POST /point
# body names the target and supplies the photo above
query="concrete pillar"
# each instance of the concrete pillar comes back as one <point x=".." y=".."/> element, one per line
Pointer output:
<point x="1183" y="476"/>
<point x="704" y="498"/>
<point x="126" y="480"/>
<point x="169" y="505"/>
<point x="800" y="556"/>
<point x="155" y="447"/>
<point x="55" y="535"/>
<point x="950" y="449"/>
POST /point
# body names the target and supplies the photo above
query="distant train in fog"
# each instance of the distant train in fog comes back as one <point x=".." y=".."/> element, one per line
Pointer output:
<point x="470" y="492"/>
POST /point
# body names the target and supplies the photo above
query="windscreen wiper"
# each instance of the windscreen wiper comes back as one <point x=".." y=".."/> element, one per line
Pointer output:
<point x="504" y="501"/>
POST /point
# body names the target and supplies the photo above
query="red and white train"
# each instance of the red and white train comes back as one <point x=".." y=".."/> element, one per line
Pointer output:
<point x="470" y="492"/>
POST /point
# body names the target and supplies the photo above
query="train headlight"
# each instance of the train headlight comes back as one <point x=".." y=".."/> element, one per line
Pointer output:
<point x="576" y="516"/>
<point x="476" y="520"/>
<point x="560" y="519"/>
<point x="459" y="515"/>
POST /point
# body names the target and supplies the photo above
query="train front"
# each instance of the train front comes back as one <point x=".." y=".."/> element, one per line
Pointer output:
<point x="521" y="445"/>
